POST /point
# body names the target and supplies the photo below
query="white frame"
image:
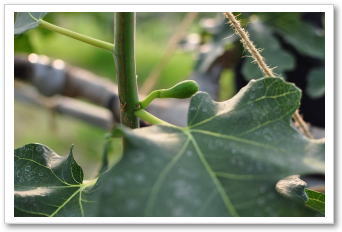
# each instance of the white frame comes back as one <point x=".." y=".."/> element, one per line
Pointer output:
<point x="9" y="112"/>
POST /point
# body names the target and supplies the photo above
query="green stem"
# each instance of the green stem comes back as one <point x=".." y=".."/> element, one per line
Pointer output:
<point x="124" y="58"/>
<point x="150" y="118"/>
<point x="146" y="102"/>
<point x="77" y="36"/>
<point x="106" y="150"/>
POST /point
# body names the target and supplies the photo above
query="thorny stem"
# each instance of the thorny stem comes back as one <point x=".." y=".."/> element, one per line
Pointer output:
<point x="250" y="47"/>
<point x="124" y="57"/>
<point x="248" y="44"/>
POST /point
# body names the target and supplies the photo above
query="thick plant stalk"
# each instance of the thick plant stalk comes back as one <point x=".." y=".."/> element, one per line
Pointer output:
<point x="250" y="47"/>
<point x="124" y="58"/>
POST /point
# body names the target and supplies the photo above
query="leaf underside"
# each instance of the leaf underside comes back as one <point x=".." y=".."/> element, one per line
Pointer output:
<point x="226" y="162"/>
<point x="25" y="21"/>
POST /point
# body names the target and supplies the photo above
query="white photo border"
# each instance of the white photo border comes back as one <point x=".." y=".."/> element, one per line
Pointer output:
<point x="9" y="111"/>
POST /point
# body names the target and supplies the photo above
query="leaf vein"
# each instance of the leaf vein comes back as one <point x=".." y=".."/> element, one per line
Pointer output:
<point x="161" y="177"/>
<point x="53" y="173"/>
<point x="229" y="206"/>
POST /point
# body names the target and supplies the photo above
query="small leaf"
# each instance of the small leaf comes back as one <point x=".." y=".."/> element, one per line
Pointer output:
<point x="27" y="20"/>
<point x="316" y="83"/>
<point x="47" y="184"/>
<point x="316" y="200"/>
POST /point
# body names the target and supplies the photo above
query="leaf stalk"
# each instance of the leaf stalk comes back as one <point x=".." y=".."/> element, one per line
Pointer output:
<point x="150" y="118"/>
<point x="80" y="37"/>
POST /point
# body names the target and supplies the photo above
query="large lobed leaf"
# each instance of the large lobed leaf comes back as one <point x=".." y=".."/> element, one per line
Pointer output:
<point x="225" y="163"/>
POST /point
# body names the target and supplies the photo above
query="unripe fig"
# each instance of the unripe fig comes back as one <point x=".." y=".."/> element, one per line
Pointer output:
<point x="184" y="89"/>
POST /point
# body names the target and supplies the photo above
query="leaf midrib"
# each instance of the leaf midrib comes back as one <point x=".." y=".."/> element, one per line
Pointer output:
<point x="228" y="204"/>
<point x="187" y="131"/>
<point x="156" y="186"/>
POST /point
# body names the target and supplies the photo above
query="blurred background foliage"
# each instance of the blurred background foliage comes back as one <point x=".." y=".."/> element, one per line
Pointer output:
<point x="209" y="53"/>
